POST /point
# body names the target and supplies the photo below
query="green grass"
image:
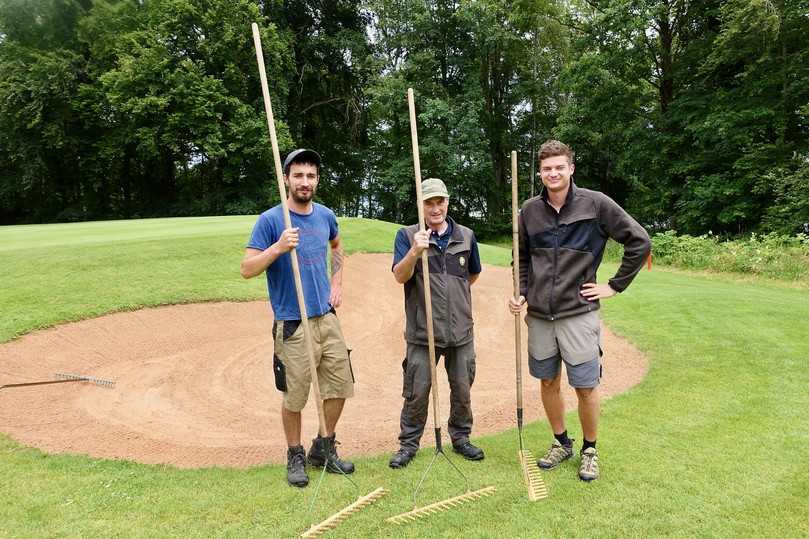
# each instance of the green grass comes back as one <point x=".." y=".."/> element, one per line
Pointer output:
<point x="714" y="442"/>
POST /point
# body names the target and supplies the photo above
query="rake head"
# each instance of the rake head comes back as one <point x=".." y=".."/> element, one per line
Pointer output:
<point x="334" y="520"/>
<point x="437" y="507"/>
<point x="533" y="478"/>
<point x="80" y="378"/>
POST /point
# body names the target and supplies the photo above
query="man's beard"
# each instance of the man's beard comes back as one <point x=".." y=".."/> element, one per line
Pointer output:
<point x="303" y="198"/>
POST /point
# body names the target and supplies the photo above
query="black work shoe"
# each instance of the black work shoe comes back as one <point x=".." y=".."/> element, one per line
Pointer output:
<point x="468" y="451"/>
<point x="318" y="456"/>
<point x="401" y="458"/>
<point x="296" y="467"/>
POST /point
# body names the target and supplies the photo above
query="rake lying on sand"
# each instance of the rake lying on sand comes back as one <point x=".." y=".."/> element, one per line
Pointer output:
<point x="361" y="502"/>
<point x="62" y="378"/>
<point x="530" y="471"/>
<point x="469" y="495"/>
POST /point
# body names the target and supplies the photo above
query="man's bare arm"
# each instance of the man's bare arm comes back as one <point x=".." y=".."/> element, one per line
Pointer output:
<point x="337" y="256"/>
<point x="256" y="261"/>
<point x="404" y="270"/>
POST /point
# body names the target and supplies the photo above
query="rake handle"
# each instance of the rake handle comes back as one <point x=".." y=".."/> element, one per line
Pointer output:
<point x="515" y="271"/>
<point x="27" y="384"/>
<point x="293" y="255"/>
<point x="414" y="137"/>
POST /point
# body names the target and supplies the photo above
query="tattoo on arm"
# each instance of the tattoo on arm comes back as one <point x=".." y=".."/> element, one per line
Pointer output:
<point x="336" y="260"/>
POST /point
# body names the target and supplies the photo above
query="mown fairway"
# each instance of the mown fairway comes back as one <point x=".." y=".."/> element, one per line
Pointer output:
<point x="715" y="442"/>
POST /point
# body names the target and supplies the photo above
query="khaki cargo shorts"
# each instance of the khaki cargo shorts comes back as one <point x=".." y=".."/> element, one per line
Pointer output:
<point x="575" y="340"/>
<point x="291" y="361"/>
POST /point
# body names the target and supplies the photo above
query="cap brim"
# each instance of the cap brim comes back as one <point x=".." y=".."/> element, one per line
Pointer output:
<point x="302" y="155"/>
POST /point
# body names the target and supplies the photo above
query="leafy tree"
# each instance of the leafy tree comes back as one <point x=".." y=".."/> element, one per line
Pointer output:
<point x="327" y="104"/>
<point x="482" y="86"/>
<point x="41" y="135"/>
<point x="187" y="107"/>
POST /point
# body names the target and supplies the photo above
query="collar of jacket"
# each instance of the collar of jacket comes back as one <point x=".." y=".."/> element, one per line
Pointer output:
<point x="570" y="194"/>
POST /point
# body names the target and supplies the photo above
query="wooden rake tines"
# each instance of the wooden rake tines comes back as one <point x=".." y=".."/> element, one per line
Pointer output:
<point x="437" y="507"/>
<point x="338" y="517"/>
<point x="533" y="478"/>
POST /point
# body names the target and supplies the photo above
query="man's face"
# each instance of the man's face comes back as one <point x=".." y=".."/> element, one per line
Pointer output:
<point x="435" y="210"/>
<point x="556" y="172"/>
<point x="302" y="181"/>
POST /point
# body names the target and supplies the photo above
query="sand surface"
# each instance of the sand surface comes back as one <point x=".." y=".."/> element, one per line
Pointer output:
<point x="194" y="384"/>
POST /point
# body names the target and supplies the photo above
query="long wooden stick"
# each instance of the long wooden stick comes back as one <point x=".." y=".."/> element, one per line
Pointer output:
<point x="307" y="335"/>
<point x="515" y="242"/>
<point x="531" y="474"/>
<point x="414" y="137"/>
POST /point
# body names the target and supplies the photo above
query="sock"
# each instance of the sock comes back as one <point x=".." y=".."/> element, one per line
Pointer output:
<point x="563" y="439"/>
<point x="587" y="443"/>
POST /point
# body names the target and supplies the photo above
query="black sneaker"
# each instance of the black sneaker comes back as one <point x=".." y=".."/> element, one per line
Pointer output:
<point x="468" y="451"/>
<point x="401" y="458"/>
<point x="296" y="467"/>
<point x="318" y="456"/>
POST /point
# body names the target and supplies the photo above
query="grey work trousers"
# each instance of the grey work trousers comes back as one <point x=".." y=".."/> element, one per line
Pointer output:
<point x="459" y="362"/>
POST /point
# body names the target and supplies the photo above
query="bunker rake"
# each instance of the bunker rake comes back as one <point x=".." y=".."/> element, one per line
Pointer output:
<point x="336" y="518"/>
<point x="469" y="495"/>
<point x="530" y="471"/>
<point x="62" y="378"/>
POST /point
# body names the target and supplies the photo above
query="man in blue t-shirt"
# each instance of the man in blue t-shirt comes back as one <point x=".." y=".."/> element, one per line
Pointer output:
<point x="454" y="265"/>
<point x="313" y="232"/>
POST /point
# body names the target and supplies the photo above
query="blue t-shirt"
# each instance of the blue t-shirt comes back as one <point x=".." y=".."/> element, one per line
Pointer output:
<point x="316" y="230"/>
<point x="402" y="246"/>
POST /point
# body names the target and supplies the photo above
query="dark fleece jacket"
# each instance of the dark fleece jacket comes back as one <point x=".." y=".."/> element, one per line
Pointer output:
<point x="559" y="252"/>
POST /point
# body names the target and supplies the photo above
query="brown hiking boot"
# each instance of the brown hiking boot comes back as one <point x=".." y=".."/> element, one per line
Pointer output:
<point x="557" y="454"/>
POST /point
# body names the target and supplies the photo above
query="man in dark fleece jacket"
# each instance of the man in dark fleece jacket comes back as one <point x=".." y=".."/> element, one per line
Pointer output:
<point x="562" y="235"/>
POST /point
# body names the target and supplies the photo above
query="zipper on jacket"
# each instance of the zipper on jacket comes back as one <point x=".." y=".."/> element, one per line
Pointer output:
<point x="450" y="328"/>
<point x="555" y="259"/>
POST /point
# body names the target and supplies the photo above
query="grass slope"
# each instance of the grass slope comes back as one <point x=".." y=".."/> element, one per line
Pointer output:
<point x="713" y="443"/>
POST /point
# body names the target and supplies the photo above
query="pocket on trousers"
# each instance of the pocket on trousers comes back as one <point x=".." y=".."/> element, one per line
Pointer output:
<point x="470" y="367"/>
<point x="290" y="328"/>
<point x="350" y="367"/>
<point x="280" y="373"/>
<point x="407" y="381"/>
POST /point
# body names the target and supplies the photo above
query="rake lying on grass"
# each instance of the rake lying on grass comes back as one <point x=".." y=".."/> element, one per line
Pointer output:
<point x="469" y="495"/>
<point x="62" y="378"/>
<point x="361" y="502"/>
<point x="530" y="471"/>
<point x="335" y="520"/>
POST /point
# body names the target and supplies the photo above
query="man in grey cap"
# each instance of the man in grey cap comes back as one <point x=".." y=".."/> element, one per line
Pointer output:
<point x="313" y="232"/>
<point x="454" y="265"/>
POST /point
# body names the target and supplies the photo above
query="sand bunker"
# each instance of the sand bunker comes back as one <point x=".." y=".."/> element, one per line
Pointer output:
<point x="194" y="384"/>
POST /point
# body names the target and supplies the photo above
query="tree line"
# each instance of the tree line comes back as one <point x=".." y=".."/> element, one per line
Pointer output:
<point x="693" y="114"/>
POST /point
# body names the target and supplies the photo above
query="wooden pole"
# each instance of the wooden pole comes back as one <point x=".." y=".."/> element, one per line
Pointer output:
<point x="279" y="175"/>
<point x="414" y="137"/>
<point x="515" y="249"/>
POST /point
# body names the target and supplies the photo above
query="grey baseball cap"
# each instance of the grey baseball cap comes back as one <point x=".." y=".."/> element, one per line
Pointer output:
<point x="433" y="187"/>
<point x="301" y="155"/>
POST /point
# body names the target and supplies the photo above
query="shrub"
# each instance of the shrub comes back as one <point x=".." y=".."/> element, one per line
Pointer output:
<point x="772" y="255"/>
